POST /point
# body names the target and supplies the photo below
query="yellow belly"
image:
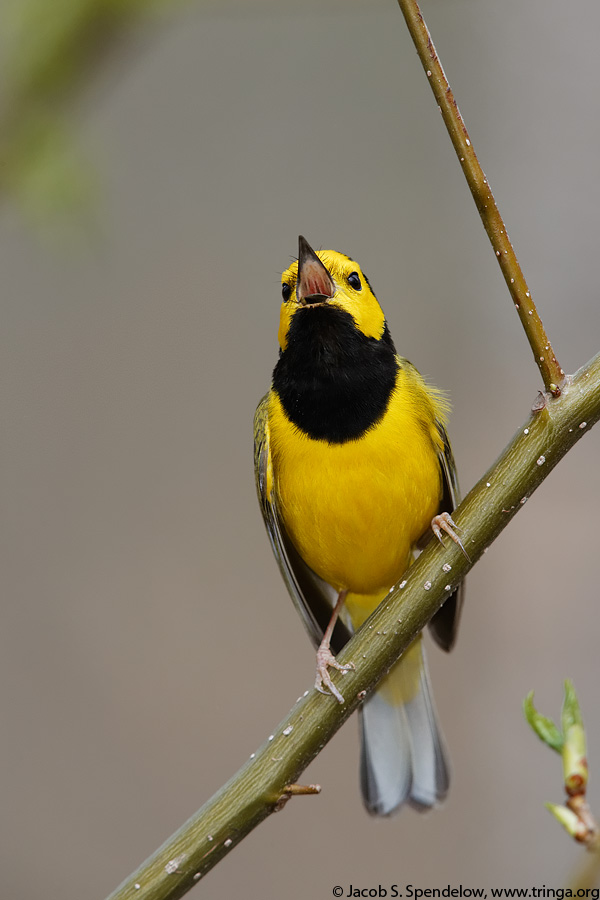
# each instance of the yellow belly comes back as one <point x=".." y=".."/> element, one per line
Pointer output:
<point x="356" y="510"/>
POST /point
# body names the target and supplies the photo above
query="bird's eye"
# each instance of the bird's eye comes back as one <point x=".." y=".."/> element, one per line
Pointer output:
<point x="285" y="291"/>
<point x="354" y="281"/>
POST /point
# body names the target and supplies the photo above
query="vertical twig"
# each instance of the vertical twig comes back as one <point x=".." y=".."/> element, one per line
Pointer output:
<point x="544" y="355"/>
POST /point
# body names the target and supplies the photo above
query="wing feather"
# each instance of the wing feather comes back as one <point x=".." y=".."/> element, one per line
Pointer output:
<point x="444" y="625"/>
<point x="313" y="598"/>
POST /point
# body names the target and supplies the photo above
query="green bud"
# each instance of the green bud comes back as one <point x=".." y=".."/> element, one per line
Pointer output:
<point x="575" y="766"/>
<point x="545" y="728"/>
<point x="571" y="711"/>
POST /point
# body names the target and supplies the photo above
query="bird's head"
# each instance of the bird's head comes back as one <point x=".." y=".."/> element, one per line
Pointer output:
<point x="331" y="280"/>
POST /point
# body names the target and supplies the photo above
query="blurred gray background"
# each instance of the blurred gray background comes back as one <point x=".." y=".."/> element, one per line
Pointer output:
<point x="148" y="645"/>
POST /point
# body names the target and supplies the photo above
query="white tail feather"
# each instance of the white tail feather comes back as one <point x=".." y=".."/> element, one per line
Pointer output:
<point x="403" y="756"/>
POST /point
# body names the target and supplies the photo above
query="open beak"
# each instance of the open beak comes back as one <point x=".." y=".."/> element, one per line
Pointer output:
<point x="315" y="284"/>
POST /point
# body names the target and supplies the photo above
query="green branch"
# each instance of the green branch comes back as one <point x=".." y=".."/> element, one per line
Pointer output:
<point x="544" y="355"/>
<point x="263" y="784"/>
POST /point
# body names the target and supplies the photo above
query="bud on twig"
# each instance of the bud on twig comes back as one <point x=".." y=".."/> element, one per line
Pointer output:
<point x="576" y="817"/>
<point x="575" y="767"/>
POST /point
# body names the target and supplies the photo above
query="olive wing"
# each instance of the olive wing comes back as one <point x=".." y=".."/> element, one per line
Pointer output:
<point x="313" y="598"/>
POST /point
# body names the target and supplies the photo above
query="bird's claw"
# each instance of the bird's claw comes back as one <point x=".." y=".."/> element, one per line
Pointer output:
<point x="325" y="661"/>
<point x="445" y="523"/>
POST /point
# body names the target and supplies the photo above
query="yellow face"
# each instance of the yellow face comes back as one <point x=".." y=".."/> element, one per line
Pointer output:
<point x="352" y="294"/>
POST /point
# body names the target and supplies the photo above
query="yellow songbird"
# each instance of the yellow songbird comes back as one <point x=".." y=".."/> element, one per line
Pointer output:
<point x="353" y="466"/>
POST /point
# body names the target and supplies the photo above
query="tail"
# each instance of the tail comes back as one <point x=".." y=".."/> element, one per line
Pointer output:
<point x="403" y="758"/>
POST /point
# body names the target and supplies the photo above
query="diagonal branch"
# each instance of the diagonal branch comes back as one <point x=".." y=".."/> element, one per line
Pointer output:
<point x="543" y="353"/>
<point x="263" y="784"/>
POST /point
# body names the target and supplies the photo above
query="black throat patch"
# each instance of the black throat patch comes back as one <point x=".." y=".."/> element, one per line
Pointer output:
<point x="333" y="381"/>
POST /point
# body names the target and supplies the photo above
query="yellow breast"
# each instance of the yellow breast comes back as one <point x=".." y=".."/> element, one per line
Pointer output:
<point x="356" y="510"/>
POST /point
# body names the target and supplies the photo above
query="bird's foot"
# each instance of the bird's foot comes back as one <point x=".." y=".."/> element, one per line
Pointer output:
<point x="325" y="661"/>
<point x="445" y="523"/>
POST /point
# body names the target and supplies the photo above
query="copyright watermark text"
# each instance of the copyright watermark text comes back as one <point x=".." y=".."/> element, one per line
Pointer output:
<point x="417" y="893"/>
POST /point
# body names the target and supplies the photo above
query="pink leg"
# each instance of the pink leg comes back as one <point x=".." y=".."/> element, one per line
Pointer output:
<point x="326" y="659"/>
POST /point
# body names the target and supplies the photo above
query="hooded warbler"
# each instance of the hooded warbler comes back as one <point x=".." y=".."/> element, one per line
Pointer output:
<point x="353" y="466"/>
